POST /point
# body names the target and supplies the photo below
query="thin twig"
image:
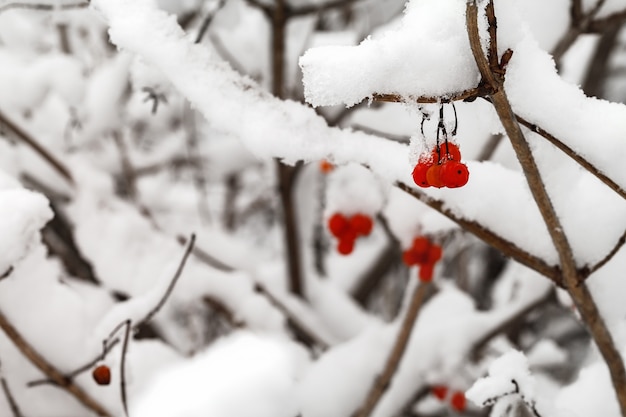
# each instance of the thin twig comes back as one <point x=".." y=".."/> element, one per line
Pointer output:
<point x="573" y="155"/>
<point x="49" y="370"/>
<point x="36" y="146"/>
<point x="609" y="256"/>
<point x="490" y="147"/>
<point x="467" y="95"/>
<point x="123" y="367"/>
<point x="172" y="284"/>
<point x="44" y="7"/>
<point x="15" y="409"/>
<point x="318" y="8"/>
<point x="205" y="258"/>
<point x="572" y="279"/>
<point x="304" y="333"/>
<point x="508" y="248"/>
<point x="110" y="342"/>
<point x="208" y="19"/>
<point x="383" y="381"/>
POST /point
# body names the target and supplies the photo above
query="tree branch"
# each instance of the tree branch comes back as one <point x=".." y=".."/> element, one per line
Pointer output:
<point x="492" y="239"/>
<point x="572" y="154"/>
<point x="44" y="7"/>
<point x="318" y="8"/>
<point x="383" y="381"/>
<point x="49" y="370"/>
<point x="571" y="277"/>
<point x="37" y="147"/>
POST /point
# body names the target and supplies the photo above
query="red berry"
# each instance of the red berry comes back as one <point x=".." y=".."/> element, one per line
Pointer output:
<point x="434" y="254"/>
<point x="410" y="258"/>
<point x="454" y="174"/>
<point x="439" y="391"/>
<point x="421" y="245"/>
<point x="326" y="167"/>
<point x="448" y="151"/>
<point x="338" y="225"/>
<point x="457" y="401"/>
<point x="345" y="246"/>
<point x="419" y="174"/>
<point x="102" y="375"/>
<point x="426" y="272"/>
<point x="361" y="224"/>
<point x="433" y="176"/>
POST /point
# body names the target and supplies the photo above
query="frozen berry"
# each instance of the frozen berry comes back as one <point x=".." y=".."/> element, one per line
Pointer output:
<point x="410" y="258"/>
<point x="345" y="246"/>
<point x="439" y="391"/>
<point x="421" y="244"/>
<point x="433" y="176"/>
<point x="434" y="254"/>
<point x="454" y="174"/>
<point x="326" y="167"/>
<point x="448" y="151"/>
<point x="361" y="224"/>
<point x="419" y="175"/>
<point x="102" y="375"/>
<point x="338" y="225"/>
<point x="458" y="401"/>
<point x="426" y="272"/>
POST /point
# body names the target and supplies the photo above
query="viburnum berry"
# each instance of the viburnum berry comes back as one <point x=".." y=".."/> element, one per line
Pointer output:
<point x="102" y="375"/>
<point x="345" y="246"/>
<point x="426" y="272"/>
<point x="361" y="224"/>
<point x="439" y="391"/>
<point x="421" y="244"/>
<point x="454" y="174"/>
<point x="433" y="176"/>
<point x="434" y="254"/>
<point x="447" y="151"/>
<point x="458" y="401"/>
<point x="338" y="225"/>
<point x="419" y="174"/>
<point x="326" y="167"/>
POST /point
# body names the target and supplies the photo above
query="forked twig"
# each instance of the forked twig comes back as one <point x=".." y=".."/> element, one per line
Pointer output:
<point x="49" y="370"/>
<point x="110" y="342"/>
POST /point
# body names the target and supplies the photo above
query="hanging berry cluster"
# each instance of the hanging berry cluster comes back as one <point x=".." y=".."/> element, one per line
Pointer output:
<point x="441" y="166"/>
<point x="424" y="253"/>
<point x="457" y="399"/>
<point x="348" y="229"/>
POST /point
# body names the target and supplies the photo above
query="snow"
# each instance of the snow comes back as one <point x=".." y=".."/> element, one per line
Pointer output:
<point x="244" y="374"/>
<point x="431" y="42"/>
<point x="508" y="374"/>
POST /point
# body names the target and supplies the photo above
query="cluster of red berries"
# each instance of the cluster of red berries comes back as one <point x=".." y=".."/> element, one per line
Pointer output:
<point x="457" y="398"/>
<point x="424" y="253"/>
<point x="441" y="168"/>
<point x="348" y="229"/>
<point x="102" y="375"/>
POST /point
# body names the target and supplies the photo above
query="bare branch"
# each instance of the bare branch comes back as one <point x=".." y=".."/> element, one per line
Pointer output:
<point x="382" y="382"/>
<point x="318" y="8"/>
<point x="571" y="276"/>
<point x="305" y="334"/>
<point x="36" y="146"/>
<point x="572" y="154"/>
<point x="208" y="19"/>
<point x="49" y="370"/>
<point x="609" y="256"/>
<point x="168" y="291"/>
<point x="467" y="95"/>
<point x="44" y="7"/>
<point x="15" y="409"/>
<point x="492" y="239"/>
